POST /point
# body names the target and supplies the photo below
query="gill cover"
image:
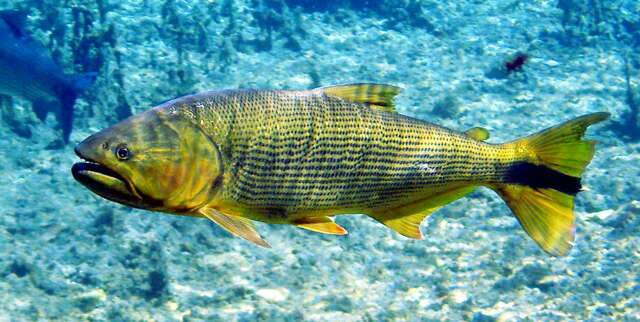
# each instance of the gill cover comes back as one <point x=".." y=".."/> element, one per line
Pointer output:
<point x="179" y="165"/>
<point x="168" y="163"/>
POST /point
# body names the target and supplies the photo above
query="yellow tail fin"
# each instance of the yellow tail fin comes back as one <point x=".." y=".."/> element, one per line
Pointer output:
<point x="540" y="191"/>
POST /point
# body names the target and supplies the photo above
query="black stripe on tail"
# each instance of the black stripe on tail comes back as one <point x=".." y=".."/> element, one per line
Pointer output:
<point x="541" y="177"/>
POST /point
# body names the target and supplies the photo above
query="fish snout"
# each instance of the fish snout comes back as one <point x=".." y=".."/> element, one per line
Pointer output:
<point x="77" y="150"/>
<point x="92" y="148"/>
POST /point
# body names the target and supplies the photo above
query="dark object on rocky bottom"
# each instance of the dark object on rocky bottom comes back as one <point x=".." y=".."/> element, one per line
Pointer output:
<point x="502" y="69"/>
<point x="516" y="63"/>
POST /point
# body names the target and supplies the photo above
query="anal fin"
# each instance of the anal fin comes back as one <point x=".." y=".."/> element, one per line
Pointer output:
<point x="408" y="226"/>
<point x="237" y="226"/>
<point x="322" y="225"/>
<point x="406" y="219"/>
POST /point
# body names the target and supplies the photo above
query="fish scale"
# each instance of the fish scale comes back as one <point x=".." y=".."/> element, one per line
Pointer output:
<point x="303" y="150"/>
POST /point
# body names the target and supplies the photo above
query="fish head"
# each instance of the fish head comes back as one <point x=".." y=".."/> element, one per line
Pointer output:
<point x="154" y="160"/>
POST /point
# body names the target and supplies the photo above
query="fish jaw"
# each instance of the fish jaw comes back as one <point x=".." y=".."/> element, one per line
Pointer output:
<point x="102" y="180"/>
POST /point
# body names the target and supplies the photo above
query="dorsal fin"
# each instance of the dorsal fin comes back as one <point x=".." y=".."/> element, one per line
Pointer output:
<point x="477" y="133"/>
<point x="16" y="20"/>
<point x="376" y="96"/>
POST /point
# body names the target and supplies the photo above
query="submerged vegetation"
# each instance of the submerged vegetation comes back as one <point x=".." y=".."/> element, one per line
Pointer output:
<point x="629" y="125"/>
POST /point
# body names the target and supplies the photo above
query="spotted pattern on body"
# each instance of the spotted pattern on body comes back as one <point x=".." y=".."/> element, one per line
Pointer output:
<point x="295" y="151"/>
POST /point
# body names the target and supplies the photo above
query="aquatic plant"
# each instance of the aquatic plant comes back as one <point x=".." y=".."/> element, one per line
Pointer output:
<point x="629" y="125"/>
<point x="398" y="14"/>
<point x="585" y="22"/>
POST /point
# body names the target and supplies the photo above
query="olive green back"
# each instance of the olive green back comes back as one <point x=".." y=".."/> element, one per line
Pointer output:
<point x="297" y="151"/>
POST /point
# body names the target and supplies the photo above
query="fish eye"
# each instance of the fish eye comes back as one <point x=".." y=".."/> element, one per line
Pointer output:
<point x="122" y="152"/>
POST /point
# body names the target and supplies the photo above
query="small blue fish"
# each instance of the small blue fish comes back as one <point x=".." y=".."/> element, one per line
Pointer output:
<point x="28" y="71"/>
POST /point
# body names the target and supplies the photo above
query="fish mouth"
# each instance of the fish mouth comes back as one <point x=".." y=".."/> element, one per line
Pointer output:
<point x="104" y="181"/>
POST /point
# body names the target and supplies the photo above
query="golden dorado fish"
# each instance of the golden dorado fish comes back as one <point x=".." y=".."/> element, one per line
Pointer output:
<point x="302" y="157"/>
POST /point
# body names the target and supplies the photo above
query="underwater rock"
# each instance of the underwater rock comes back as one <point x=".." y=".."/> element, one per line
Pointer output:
<point x="157" y="281"/>
<point x="480" y="317"/>
<point x="147" y="275"/>
<point x="88" y="301"/>
<point x="447" y="107"/>
<point x="531" y="275"/>
<point x="624" y="220"/>
<point x="50" y="284"/>
<point x="340" y="303"/>
<point x="104" y="221"/>
<point x="20" y="267"/>
<point x="18" y="124"/>
<point x="273" y="295"/>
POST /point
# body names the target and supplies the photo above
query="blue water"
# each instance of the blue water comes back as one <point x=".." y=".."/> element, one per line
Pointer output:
<point x="69" y="255"/>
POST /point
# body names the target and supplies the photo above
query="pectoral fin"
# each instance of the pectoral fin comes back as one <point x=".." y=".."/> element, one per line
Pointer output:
<point x="238" y="226"/>
<point x="321" y="225"/>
